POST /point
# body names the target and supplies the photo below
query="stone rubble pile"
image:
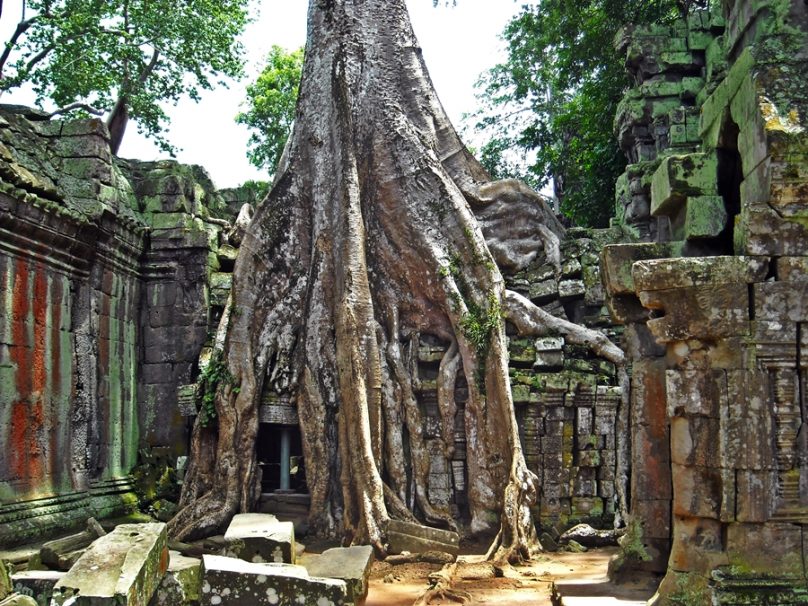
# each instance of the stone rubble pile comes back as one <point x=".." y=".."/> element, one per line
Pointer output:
<point x="133" y="566"/>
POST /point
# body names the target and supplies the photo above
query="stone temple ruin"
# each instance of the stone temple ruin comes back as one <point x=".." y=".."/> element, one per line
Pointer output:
<point x="114" y="273"/>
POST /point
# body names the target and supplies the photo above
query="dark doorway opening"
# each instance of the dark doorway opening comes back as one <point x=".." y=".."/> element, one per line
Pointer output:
<point x="730" y="176"/>
<point x="280" y="456"/>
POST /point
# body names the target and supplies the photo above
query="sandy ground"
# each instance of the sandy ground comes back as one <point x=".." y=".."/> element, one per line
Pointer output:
<point x="579" y="577"/>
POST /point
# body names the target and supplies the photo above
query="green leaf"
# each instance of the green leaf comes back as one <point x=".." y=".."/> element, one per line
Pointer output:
<point x="271" y="102"/>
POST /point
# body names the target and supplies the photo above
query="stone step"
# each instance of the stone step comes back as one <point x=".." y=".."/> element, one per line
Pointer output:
<point x="349" y="564"/>
<point x="600" y="592"/>
<point x="407" y="536"/>
<point x="234" y="582"/>
<point x="260" y="537"/>
<point x="122" y="568"/>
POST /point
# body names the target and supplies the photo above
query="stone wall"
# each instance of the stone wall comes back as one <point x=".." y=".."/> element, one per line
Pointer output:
<point x="103" y="310"/>
<point x="719" y="412"/>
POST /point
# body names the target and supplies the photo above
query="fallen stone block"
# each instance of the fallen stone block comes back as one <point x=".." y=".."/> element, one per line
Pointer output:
<point x="122" y="568"/>
<point x="234" y="582"/>
<point x="587" y="536"/>
<point x="62" y="553"/>
<point x="406" y="536"/>
<point x="260" y="537"/>
<point x="37" y="584"/>
<point x="349" y="564"/>
<point x="181" y="582"/>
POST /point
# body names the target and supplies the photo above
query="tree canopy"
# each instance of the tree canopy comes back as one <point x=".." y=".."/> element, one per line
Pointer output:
<point x="270" y="109"/>
<point x="124" y="57"/>
<point x="548" y="108"/>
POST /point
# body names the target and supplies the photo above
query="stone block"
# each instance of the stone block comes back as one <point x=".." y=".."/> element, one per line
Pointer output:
<point x="765" y="232"/>
<point x="695" y="392"/>
<point x="406" y="536"/>
<point x="697" y="545"/>
<point x="181" y="582"/>
<point x="618" y="260"/>
<point x="714" y="106"/>
<point x="694" y="441"/>
<point x="781" y="301"/>
<point x="705" y="217"/>
<point x="792" y="269"/>
<point x="697" y="491"/>
<point x="122" y="568"/>
<point x="234" y="582"/>
<point x="655" y="517"/>
<point x="640" y="343"/>
<point x="766" y="549"/>
<point x="680" y="177"/>
<point x="571" y="289"/>
<point x="756" y="492"/>
<point x="587" y="507"/>
<point x="37" y="584"/>
<point x="589" y="458"/>
<point x="626" y="309"/>
<point x="700" y="312"/>
<point x="664" y="274"/>
<point x="653" y="457"/>
<point x="260" y="537"/>
<point x="349" y="564"/>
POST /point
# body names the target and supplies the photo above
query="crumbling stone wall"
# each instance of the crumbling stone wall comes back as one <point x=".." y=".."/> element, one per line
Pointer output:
<point x="103" y="310"/>
<point x="720" y="285"/>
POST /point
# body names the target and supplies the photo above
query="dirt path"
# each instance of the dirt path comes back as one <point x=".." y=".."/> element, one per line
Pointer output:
<point x="580" y="576"/>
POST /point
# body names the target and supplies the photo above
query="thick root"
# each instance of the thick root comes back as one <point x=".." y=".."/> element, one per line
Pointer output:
<point x="517" y="542"/>
<point x="441" y="588"/>
<point x="530" y="319"/>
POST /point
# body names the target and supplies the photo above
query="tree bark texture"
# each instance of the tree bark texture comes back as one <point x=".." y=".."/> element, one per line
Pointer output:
<point x="380" y="228"/>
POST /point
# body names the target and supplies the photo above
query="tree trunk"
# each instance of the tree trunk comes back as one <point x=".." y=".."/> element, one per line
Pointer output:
<point x="116" y="123"/>
<point x="380" y="228"/>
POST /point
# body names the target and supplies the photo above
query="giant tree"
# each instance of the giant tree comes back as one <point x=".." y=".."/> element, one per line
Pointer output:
<point x="123" y="58"/>
<point x="380" y="228"/>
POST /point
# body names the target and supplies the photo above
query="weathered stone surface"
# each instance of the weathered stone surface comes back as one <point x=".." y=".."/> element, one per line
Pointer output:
<point x="181" y="583"/>
<point x="704" y="312"/>
<point x="781" y="301"/>
<point x="121" y="568"/>
<point x="234" y="582"/>
<point x="260" y="537"/>
<point x="766" y="549"/>
<point x="705" y="217"/>
<point x="5" y="580"/>
<point x="697" y="544"/>
<point x="664" y="274"/>
<point x="680" y="177"/>
<point x="618" y="260"/>
<point x="17" y="599"/>
<point x="587" y="536"/>
<point x="349" y="564"/>
<point x="406" y="536"/>
<point x="695" y="392"/>
<point x="37" y="584"/>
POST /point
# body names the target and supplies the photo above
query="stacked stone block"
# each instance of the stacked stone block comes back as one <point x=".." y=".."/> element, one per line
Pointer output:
<point x="103" y="310"/>
<point x="566" y="399"/>
<point x="659" y="117"/>
<point x="731" y="380"/>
